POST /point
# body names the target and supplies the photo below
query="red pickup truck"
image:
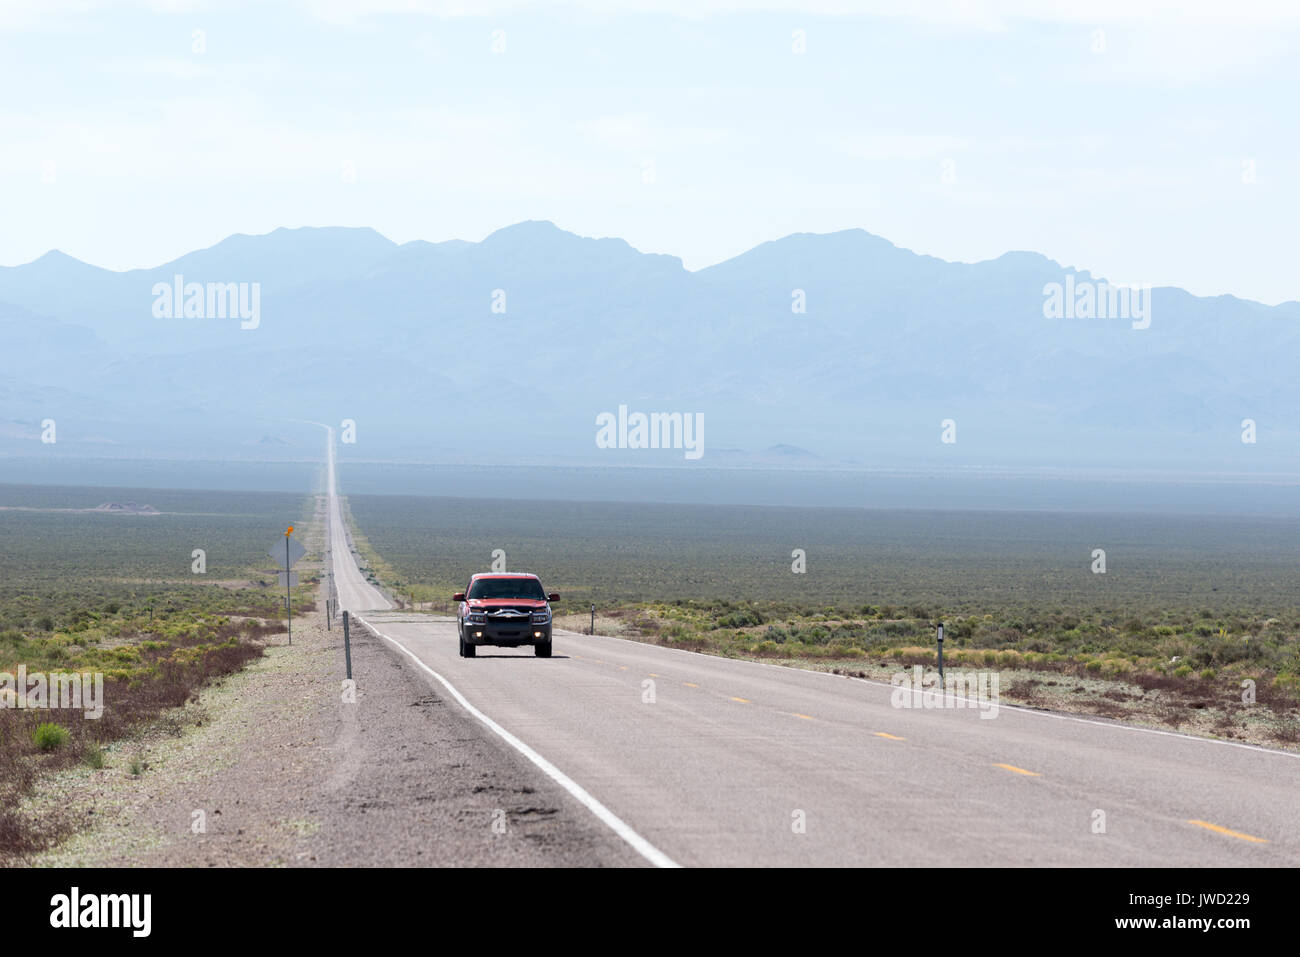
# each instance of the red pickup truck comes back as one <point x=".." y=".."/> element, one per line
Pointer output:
<point x="508" y="610"/>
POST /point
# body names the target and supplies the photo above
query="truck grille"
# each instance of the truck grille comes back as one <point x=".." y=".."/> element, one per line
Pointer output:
<point x="509" y="616"/>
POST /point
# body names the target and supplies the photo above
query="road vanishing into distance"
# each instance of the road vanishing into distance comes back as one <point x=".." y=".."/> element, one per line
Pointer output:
<point x="696" y="760"/>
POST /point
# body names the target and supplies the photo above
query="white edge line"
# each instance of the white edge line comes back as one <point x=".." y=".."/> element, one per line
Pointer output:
<point x="638" y="843"/>
<point x="1118" y="725"/>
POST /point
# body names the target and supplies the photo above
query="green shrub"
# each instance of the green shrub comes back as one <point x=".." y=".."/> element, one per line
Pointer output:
<point x="50" y="736"/>
<point x="743" y="618"/>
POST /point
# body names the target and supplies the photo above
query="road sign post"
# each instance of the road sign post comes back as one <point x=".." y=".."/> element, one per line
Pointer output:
<point x="593" y="620"/>
<point x="292" y="553"/>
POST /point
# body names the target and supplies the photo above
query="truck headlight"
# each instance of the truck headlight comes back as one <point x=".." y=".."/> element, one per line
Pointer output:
<point x="477" y="618"/>
<point x="541" y="618"/>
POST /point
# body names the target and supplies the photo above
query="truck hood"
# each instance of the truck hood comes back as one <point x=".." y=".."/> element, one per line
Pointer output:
<point x="486" y="604"/>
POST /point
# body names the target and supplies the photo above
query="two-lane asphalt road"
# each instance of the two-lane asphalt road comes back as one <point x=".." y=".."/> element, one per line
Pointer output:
<point x="698" y="760"/>
<point x="354" y="592"/>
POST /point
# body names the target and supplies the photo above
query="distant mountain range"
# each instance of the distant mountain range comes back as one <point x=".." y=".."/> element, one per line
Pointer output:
<point x="809" y="351"/>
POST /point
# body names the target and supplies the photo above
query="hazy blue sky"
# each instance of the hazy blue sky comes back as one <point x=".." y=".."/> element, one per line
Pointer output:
<point x="962" y="130"/>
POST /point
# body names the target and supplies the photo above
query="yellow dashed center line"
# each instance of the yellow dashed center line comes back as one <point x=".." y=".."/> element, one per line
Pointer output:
<point x="806" y="717"/>
<point x="1012" y="767"/>
<point x="1223" y="830"/>
<point x="689" y="685"/>
<point x="741" y="700"/>
<point x="652" y="674"/>
<point x="622" y="667"/>
<point x="891" y="737"/>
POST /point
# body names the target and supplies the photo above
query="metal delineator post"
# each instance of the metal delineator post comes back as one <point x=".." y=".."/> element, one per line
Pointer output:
<point x="347" y="645"/>
<point x="939" y="637"/>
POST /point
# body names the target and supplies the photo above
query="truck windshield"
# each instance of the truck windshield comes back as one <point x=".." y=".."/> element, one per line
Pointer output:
<point x="507" y="588"/>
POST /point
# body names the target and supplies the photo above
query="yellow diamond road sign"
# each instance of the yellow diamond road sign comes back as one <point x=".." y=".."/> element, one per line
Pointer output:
<point x="277" y="552"/>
